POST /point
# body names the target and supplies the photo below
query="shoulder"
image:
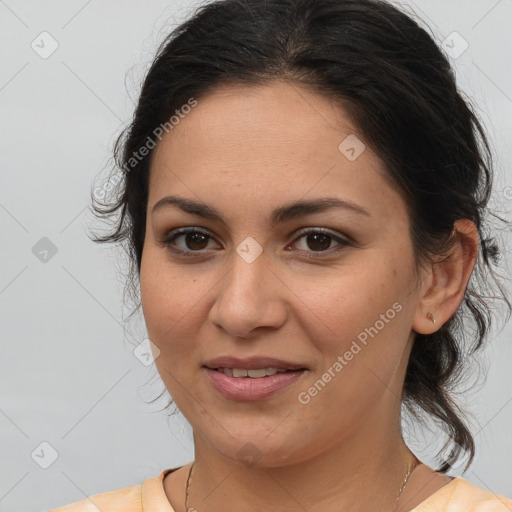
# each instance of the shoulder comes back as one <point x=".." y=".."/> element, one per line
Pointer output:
<point x="460" y="495"/>
<point x="149" y="495"/>
<point x="118" y="500"/>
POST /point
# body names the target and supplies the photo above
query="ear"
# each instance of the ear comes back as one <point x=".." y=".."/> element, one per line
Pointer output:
<point x="445" y="282"/>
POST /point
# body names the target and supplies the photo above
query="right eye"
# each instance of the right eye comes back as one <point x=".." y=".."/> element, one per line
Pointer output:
<point x="193" y="241"/>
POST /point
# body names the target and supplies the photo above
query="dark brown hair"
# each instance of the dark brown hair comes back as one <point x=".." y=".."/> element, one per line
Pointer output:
<point x="400" y="91"/>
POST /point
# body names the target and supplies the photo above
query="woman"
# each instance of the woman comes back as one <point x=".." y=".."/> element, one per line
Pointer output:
<point x="303" y="199"/>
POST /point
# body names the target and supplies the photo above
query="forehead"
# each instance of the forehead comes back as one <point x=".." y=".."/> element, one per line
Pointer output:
<point x="275" y="116"/>
<point x="268" y="143"/>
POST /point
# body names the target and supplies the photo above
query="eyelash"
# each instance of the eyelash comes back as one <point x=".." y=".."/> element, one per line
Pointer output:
<point x="169" y="240"/>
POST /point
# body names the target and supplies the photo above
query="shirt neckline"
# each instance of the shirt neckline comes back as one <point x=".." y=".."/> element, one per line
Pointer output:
<point x="153" y="495"/>
<point x="447" y="487"/>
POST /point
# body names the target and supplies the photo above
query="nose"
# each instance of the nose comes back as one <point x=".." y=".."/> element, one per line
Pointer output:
<point x="250" y="296"/>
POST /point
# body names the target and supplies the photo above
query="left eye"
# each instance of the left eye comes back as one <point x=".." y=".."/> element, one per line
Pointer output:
<point x="319" y="240"/>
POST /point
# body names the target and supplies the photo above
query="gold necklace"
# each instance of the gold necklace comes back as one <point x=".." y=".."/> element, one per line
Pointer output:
<point x="410" y="469"/>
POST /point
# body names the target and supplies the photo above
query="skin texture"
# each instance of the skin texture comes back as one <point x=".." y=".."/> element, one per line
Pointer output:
<point x="245" y="151"/>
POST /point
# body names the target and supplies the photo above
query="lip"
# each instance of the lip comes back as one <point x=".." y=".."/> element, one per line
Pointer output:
<point x="249" y="389"/>
<point x="251" y="363"/>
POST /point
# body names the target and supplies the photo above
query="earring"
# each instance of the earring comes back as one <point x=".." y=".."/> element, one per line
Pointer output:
<point x="431" y="317"/>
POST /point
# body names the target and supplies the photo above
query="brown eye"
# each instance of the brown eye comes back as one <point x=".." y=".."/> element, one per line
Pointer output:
<point x="317" y="241"/>
<point x="188" y="242"/>
<point x="196" y="241"/>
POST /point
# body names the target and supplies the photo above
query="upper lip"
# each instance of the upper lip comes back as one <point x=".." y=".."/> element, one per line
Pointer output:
<point x="251" y="363"/>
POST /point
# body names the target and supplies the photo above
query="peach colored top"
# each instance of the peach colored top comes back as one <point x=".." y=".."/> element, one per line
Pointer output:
<point x="458" y="495"/>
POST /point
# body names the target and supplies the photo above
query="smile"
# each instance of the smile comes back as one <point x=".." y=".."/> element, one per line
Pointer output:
<point x="251" y="384"/>
<point x="254" y="374"/>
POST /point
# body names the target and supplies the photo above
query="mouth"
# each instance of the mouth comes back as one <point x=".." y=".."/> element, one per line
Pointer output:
<point x="255" y="367"/>
<point x="257" y="373"/>
<point x="254" y="378"/>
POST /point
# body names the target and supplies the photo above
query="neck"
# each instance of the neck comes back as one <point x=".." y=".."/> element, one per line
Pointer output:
<point x="366" y="468"/>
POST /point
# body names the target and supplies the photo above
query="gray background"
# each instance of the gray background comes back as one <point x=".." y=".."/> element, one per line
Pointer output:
<point x="68" y="373"/>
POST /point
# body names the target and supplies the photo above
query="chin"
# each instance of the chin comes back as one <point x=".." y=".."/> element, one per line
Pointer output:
<point x="259" y="450"/>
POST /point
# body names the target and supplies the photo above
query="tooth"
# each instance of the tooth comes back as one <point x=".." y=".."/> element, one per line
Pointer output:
<point x="257" y="373"/>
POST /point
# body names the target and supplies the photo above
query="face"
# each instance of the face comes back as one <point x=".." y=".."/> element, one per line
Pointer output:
<point x="324" y="288"/>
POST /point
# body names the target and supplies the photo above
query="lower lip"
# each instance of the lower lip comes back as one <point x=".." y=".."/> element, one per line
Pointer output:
<point x="247" y="388"/>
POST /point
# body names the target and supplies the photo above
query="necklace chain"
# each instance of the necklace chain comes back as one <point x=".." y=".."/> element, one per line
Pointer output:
<point x="410" y="469"/>
<point x="186" y="491"/>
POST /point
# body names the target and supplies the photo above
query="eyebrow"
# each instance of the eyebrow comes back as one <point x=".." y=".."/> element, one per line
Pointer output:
<point x="279" y="215"/>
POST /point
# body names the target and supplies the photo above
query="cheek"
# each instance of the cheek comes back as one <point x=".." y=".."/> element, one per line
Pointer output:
<point x="340" y="306"/>
<point x="363" y="318"/>
<point x="166" y="296"/>
<point x="167" y="301"/>
<point x="175" y="303"/>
